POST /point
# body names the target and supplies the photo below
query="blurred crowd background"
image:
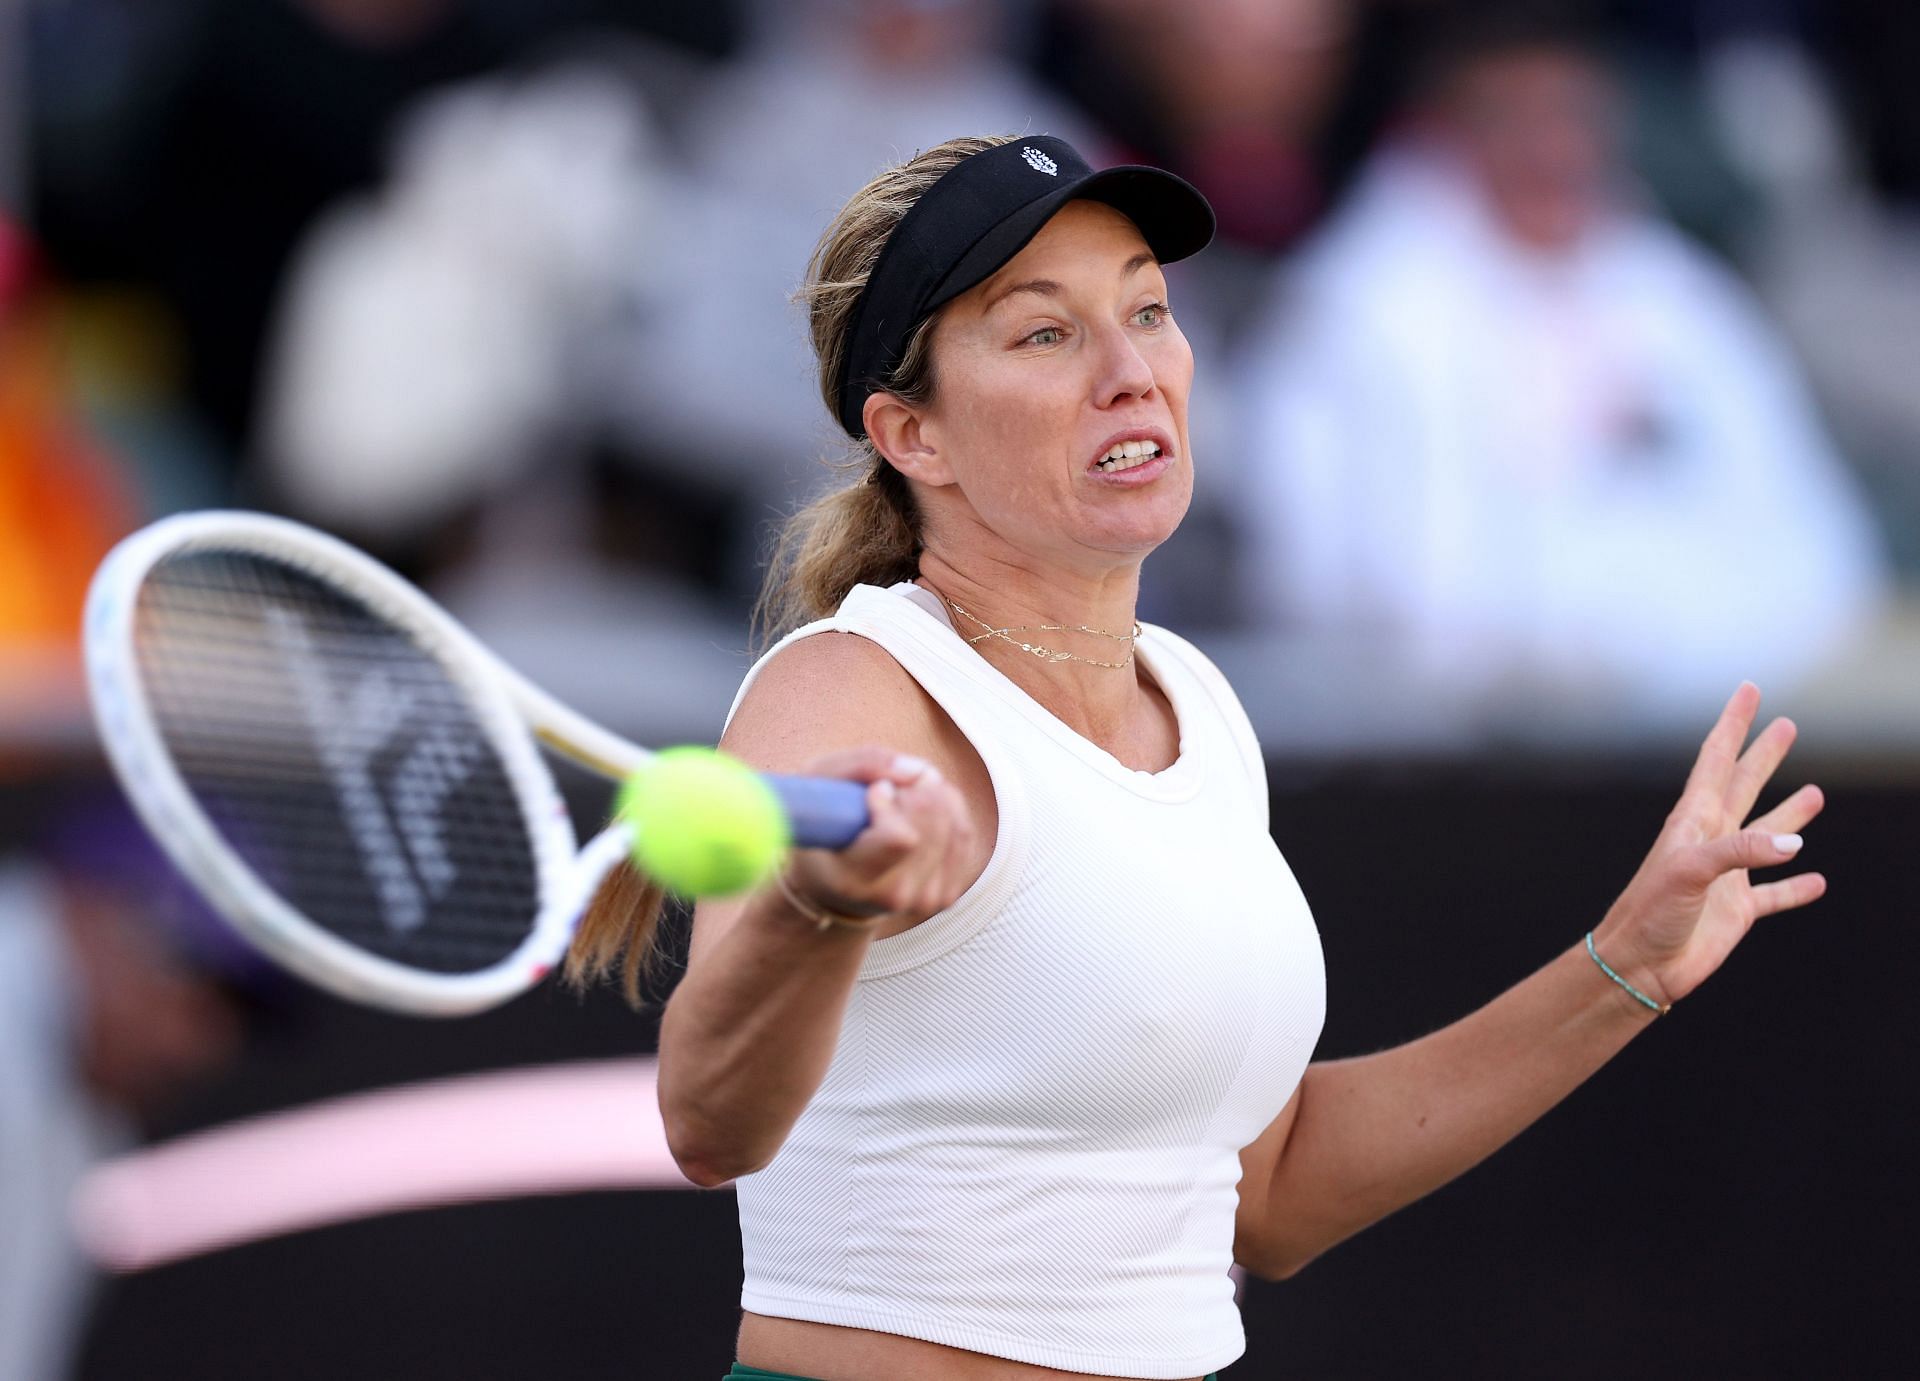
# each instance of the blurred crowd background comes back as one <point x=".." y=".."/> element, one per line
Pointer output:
<point x="1556" y="371"/>
<point x="1553" y="367"/>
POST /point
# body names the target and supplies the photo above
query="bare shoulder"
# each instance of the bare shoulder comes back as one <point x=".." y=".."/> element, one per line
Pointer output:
<point x="833" y="691"/>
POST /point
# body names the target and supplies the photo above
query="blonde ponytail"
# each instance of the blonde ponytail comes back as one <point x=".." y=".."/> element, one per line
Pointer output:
<point x="619" y="935"/>
<point x="859" y="535"/>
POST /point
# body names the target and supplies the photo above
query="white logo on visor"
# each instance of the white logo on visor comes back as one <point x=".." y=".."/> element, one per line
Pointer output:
<point x="1038" y="161"/>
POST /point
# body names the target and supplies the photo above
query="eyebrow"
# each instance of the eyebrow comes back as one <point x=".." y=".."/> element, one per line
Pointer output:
<point x="1048" y="287"/>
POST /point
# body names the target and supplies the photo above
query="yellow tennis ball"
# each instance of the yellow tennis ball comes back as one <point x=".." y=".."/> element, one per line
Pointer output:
<point x="704" y="824"/>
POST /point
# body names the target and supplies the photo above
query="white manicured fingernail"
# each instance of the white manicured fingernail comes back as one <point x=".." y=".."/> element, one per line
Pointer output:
<point x="1788" y="843"/>
<point x="910" y="767"/>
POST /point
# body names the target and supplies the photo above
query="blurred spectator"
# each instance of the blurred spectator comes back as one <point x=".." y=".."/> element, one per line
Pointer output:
<point x="233" y="123"/>
<point x="1232" y="94"/>
<point x="1836" y="252"/>
<point x="62" y="504"/>
<point x="1512" y="424"/>
<point x="436" y="339"/>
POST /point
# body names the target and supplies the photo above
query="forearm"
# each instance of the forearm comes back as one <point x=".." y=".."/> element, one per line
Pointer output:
<point x="1373" y="1134"/>
<point x="748" y="1034"/>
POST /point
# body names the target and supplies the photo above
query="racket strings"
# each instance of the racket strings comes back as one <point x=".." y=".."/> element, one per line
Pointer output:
<point x="339" y="758"/>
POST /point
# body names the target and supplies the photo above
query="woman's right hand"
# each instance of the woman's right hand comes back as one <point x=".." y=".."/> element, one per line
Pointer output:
<point x="911" y="861"/>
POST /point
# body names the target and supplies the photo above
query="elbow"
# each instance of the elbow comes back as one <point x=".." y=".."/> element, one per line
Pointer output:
<point x="711" y="1140"/>
<point x="1275" y="1256"/>
<point x="1287" y="1267"/>
<point x="1276" y="1265"/>
<point x="703" y="1174"/>
<point x="710" y="1169"/>
<point x="708" y="1161"/>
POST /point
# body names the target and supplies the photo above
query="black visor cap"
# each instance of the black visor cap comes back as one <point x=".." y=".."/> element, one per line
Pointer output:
<point x="979" y="215"/>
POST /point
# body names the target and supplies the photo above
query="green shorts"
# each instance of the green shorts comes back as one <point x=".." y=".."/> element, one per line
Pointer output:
<point x="746" y="1373"/>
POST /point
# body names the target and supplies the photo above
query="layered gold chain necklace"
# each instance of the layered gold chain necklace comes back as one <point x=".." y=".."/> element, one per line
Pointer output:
<point x="1048" y="654"/>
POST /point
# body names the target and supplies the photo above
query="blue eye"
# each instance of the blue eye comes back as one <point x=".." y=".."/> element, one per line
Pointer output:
<point x="1051" y="331"/>
<point x="1153" y="314"/>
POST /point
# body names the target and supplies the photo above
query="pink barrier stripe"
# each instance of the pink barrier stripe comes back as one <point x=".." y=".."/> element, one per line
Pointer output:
<point x="550" y="1130"/>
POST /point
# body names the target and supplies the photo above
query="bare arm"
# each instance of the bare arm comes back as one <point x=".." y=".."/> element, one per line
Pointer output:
<point x="1363" y="1137"/>
<point x="750" y="1030"/>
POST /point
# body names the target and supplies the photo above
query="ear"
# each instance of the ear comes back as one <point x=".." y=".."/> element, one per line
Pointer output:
<point x="906" y="438"/>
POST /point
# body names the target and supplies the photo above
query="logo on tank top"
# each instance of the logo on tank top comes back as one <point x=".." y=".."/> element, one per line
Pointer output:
<point x="1038" y="161"/>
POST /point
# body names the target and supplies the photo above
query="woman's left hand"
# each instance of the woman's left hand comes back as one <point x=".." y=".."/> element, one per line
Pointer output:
<point x="1692" y="901"/>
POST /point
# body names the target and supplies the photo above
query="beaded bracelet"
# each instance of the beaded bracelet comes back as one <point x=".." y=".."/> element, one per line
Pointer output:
<point x="822" y="918"/>
<point x="1659" y="1009"/>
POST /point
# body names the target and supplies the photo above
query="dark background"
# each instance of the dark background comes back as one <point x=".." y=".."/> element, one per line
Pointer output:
<point x="1730" y="1197"/>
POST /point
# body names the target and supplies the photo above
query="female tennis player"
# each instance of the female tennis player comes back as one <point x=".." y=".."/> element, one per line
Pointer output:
<point x="1010" y="1084"/>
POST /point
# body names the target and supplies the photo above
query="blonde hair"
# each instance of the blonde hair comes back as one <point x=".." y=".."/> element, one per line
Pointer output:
<point x="866" y="532"/>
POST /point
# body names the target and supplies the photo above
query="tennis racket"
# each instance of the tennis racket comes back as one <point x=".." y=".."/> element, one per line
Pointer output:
<point x="347" y="774"/>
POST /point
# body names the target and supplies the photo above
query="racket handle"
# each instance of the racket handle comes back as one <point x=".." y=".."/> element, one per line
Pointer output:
<point x="826" y="812"/>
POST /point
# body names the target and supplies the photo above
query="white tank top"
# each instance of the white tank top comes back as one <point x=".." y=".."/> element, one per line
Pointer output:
<point x="1027" y="1142"/>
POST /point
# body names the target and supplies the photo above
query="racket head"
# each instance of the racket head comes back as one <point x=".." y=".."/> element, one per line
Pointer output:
<point x="330" y="759"/>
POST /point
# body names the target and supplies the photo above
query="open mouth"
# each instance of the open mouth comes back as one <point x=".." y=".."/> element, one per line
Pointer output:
<point x="1126" y="455"/>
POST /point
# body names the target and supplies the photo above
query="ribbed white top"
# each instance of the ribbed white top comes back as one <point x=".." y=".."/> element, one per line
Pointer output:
<point x="1027" y="1143"/>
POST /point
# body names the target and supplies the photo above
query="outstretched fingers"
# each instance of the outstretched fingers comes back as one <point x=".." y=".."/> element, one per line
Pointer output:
<point x="1795" y="813"/>
<point x="1756" y="767"/>
<point x="1713" y="771"/>
<point x="1772" y="897"/>
<point x="1751" y="848"/>
<point x="1766" y="848"/>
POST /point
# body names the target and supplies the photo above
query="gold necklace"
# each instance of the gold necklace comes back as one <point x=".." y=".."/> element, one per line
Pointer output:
<point x="1049" y="654"/>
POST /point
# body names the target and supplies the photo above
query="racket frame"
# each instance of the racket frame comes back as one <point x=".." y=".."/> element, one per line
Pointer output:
<point x="509" y="710"/>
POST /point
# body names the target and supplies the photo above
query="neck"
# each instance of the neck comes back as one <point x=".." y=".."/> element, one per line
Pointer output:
<point x="1008" y="595"/>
